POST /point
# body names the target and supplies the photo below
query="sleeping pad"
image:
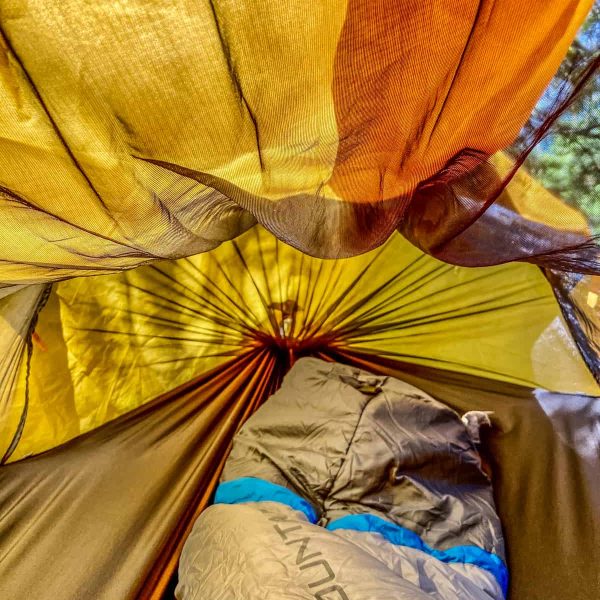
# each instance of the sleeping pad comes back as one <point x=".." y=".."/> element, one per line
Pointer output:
<point x="347" y="485"/>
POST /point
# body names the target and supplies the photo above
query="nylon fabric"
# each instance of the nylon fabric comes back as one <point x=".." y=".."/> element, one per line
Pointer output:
<point x="372" y="454"/>
<point x="400" y="536"/>
<point x="397" y="139"/>
<point x="266" y="550"/>
<point x="231" y="112"/>
<point x="252" y="489"/>
<point x="112" y="343"/>
<point x="352" y="443"/>
<point x="534" y="441"/>
<point x="132" y="487"/>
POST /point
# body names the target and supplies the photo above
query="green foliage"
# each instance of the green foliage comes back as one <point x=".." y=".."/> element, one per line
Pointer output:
<point x="567" y="162"/>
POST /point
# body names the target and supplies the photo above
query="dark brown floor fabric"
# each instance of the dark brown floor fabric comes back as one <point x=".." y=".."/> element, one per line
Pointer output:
<point x="105" y="515"/>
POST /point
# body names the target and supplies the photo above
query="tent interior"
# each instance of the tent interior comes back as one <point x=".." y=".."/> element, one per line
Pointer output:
<point x="158" y="282"/>
<point x="189" y="348"/>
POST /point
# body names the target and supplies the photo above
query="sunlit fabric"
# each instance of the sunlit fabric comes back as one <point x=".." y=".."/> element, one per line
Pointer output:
<point x="132" y="132"/>
<point x="18" y="317"/>
<point x="108" y="344"/>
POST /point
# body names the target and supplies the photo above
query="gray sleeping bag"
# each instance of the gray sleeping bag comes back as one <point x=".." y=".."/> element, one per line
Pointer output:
<point x="346" y="485"/>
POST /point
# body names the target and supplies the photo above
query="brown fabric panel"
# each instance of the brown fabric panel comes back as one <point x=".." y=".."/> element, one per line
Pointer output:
<point x="104" y="515"/>
<point x="545" y="467"/>
<point x="260" y="384"/>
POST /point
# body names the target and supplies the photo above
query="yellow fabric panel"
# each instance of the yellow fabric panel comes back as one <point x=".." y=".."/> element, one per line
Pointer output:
<point x="120" y="80"/>
<point x="547" y="209"/>
<point x="266" y="101"/>
<point x="51" y="413"/>
<point x="117" y="341"/>
<point x="16" y="313"/>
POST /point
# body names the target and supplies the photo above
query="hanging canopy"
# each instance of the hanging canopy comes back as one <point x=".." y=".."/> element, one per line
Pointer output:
<point x="132" y="133"/>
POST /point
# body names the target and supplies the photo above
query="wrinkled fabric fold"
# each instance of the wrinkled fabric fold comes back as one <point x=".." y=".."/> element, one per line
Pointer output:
<point x="110" y="344"/>
<point x="332" y="125"/>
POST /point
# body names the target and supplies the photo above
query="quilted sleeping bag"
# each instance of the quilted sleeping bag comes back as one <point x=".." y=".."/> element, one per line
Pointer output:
<point x="347" y="485"/>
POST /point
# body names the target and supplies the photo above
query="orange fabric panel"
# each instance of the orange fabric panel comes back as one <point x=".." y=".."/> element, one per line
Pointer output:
<point x="418" y="82"/>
